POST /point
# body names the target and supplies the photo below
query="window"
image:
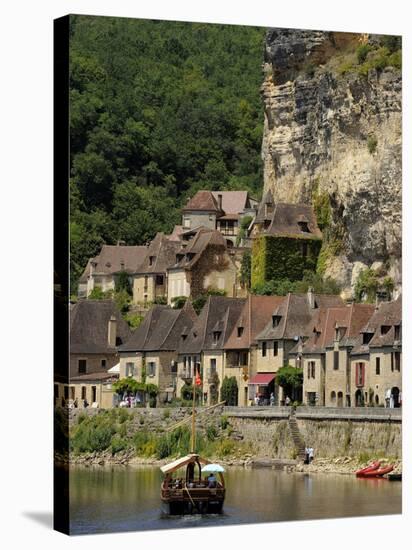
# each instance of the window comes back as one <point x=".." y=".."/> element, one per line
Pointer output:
<point x="186" y="222"/>
<point x="397" y="361"/>
<point x="159" y="280"/>
<point x="397" y="332"/>
<point x="335" y="360"/>
<point x="392" y="362"/>
<point x="103" y="363"/>
<point x="360" y="374"/>
<point x="83" y="392"/>
<point x="275" y="348"/>
<point x="216" y="336"/>
<point x="72" y="392"/>
<point x="311" y="369"/>
<point x="333" y="397"/>
<point x="378" y="365"/>
<point x="244" y="358"/>
<point x="263" y="349"/>
<point x="239" y="331"/>
<point x="376" y="399"/>
<point x="275" y="320"/>
<point x="129" y="369"/>
<point x="173" y="367"/>
<point x="303" y="226"/>
<point x="367" y="337"/>
<point x="385" y="329"/>
<point x="212" y="365"/>
<point x="151" y="260"/>
<point x="66" y="392"/>
<point x="82" y="366"/>
<point x="151" y="369"/>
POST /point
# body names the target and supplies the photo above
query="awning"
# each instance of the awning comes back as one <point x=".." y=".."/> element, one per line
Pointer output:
<point x="181" y="462"/>
<point x="263" y="379"/>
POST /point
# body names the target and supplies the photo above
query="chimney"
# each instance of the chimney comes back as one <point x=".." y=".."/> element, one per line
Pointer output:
<point x="311" y="298"/>
<point x="111" y="332"/>
<point x="219" y="201"/>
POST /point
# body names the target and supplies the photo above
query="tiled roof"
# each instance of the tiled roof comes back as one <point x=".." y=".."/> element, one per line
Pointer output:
<point x="161" y="254"/>
<point x="388" y="314"/>
<point x="233" y="202"/>
<point x="255" y="314"/>
<point x="161" y="329"/>
<point x="187" y="256"/>
<point x="89" y="321"/>
<point x="219" y="314"/>
<point x="95" y="377"/>
<point x="203" y="200"/>
<point x="286" y="218"/>
<point x="115" y="258"/>
<point x="261" y="214"/>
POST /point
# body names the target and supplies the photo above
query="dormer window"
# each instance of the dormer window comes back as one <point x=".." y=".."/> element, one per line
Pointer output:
<point x="276" y="320"/>
<point x="194" y="334"/>
<point x="397" y="332"/>
<point x="151" y="260"/>
<point x="216" y="336"/>
<point x="303" y="226"/>
<point x="366" y="337"/>
<point x="240" y="331"/>
<point x="385" y="329"/>
<point x="184" y="336"/>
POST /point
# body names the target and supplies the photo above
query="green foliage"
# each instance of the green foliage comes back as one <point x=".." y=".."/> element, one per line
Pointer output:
<point x="281" y="258"/>
<point x="224" y="422"/>
<point x="97" y="294"/>
<point x="229" y="391"/>
<point x="186" y="392"/>
<point x="200" y="301"/>
<point x="392" y="42"/>
<point x="134" y="320"/>
<point x="118" y="444"/>
<point x="388" y="285"/>
<point x="122" y="300"/>
<point x="321" y="205"/>
<point x="310" y="280"/>
<point x="160" y="300"/>
<point x="211" y="432"/>
<point x="93" y="434"/>
<point x="244" y="224"/>
<point x="122" y="282"/>
<point x="366" y="286"/>
<point x="179" y="301"/>
<point x="362" y="53"/>
<point x="372" y="144"/>
<point x="157" y="110"/>
<point x="246" y="269"/>
<point x="290" y="378"/>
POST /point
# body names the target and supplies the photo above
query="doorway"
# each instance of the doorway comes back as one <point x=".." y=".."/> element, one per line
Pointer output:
<point x="395" y="396"/>
<point x="94" y="394"/>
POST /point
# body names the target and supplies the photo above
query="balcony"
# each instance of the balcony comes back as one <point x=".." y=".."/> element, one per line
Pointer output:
<point x="186" y="375"/>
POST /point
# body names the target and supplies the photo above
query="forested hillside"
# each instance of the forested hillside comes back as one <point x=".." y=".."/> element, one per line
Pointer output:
<point x="158" y="110"/>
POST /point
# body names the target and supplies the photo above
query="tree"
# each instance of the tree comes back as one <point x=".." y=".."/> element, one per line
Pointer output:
<point x="122" y="282"/>
<point x="229" y="391"/>
<point x="290" y="379"/>
<point x="246" y="269"/>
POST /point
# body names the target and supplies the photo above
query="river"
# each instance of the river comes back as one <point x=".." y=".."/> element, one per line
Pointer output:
<point x="112" y="499"/>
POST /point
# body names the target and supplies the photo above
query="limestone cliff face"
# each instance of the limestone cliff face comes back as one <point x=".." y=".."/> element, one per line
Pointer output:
<point x="338" y="133"/>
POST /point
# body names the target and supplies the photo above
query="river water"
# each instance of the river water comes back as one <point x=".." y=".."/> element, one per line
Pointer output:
<point x="104" y="499"/>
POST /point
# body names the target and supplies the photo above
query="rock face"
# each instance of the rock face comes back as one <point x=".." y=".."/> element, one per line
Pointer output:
<point x="338" y="133"/>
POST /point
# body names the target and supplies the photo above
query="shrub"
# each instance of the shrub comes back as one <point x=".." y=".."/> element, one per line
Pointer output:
<point x="166" y="414"/>
<point x="229" y="391"/>
<point x="225" y="447"/>
<point x="366" y="286"/>
<point x="179" y="301"/>
<point x="118" y="444"/>
<point x="362" y="53"/>
<point x="211" y="432"/>
<point x="372" y="144"/>
<point x="123" y="415"/>
<point x="224" y="422"/>
<point x="186" y="392"/>
<point x="160" y="300"/>
<point x="133" y="320"/>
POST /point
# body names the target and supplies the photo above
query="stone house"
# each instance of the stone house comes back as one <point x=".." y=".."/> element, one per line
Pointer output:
<point x="103" y="269"/>
<point x="220" y="210"/>
<point x="241" y="347"/>
<point x="150" y="279"/>
<point x="286" y="241"/>
<point x="203" y="346"/>
<point x="288" y="324"/>
<point x="326" y="355"/>
<point x="96" y="329"/>
<point x="150" y="354"/>
<point x="200" y="264"/>
<point x="376" y="358"/>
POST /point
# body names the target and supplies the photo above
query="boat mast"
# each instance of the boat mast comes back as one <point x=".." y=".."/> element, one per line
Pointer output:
<point x="193" y="440"/>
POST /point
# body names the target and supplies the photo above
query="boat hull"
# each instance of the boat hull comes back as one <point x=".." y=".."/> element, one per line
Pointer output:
<point x="378" y="473"/>
<point x="184" y="507"/>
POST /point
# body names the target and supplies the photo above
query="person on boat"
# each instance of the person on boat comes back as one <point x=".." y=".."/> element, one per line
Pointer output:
<point x="211" y="481"/>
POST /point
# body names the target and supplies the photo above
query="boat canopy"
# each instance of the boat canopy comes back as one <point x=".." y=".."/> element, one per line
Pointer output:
<point x="181" y="462"/>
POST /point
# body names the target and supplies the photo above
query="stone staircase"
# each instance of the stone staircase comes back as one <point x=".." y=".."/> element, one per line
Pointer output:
<point x="297" y="437"/>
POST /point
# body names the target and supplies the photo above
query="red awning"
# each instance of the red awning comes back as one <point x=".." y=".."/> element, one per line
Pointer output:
<point x="263" y="379"/>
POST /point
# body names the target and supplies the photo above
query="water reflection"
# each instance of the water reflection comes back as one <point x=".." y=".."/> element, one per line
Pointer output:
<point x="127" y="499"/>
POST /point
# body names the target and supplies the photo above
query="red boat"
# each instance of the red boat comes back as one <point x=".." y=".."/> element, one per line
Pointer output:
<point x="372" y="467"/>
<point x="379" y="472"/>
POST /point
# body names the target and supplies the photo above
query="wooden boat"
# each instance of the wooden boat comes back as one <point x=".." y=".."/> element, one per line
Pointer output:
<point x="190" y="493"/>
<point x="370" y="468"/>
<point x="379" y="472"/>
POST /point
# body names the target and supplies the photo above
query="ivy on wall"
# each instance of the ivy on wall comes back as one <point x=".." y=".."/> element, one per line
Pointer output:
<point x="276" y="258"/>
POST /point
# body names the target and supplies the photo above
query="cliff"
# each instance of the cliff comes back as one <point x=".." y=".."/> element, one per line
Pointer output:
<point x="332" y="137"/>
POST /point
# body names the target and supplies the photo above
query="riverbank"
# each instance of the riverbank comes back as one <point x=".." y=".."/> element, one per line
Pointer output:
<point x="338" y="465"/>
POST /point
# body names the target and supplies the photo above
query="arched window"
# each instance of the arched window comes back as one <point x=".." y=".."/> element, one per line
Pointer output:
<point x="333" y="397"/>
<point x="340" y="399"/>
<point x="376" y="399"/>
